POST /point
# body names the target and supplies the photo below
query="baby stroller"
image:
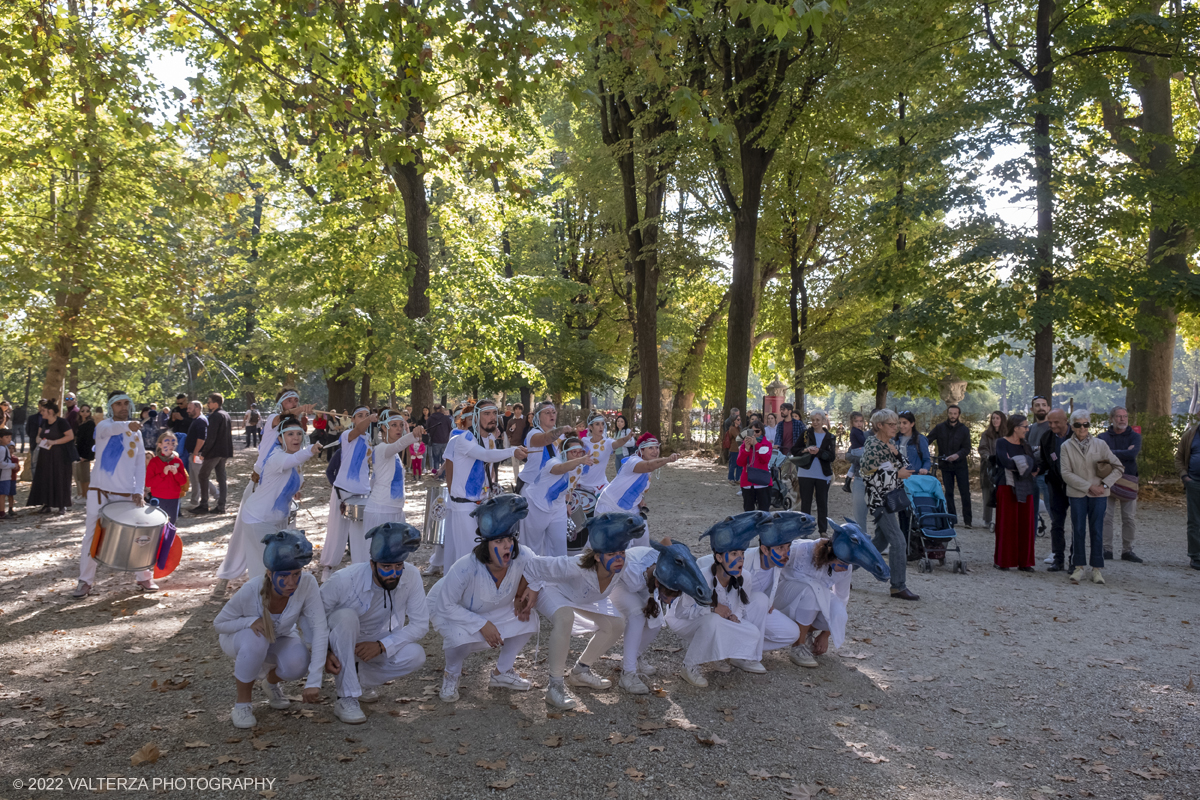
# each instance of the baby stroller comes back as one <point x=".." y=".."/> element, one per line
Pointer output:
<point x="931" y="531"/>
<point x="781" y="487"/>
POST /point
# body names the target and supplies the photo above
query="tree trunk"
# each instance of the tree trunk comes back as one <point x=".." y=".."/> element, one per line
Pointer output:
<point x="1043" y="168"/>
<point x="364" y="394"/>
<point x="340" y="389"/>
<point x="410" y="181"/>
<point x="629" y="401"/>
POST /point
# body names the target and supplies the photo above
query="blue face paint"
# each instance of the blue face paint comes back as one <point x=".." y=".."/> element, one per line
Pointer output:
<point x="775" y="556"/>
<point x="388" y="578"/>
<point x="279" y="583"/>
<point x="732" y="562"/>
<point x="613" y="562"/>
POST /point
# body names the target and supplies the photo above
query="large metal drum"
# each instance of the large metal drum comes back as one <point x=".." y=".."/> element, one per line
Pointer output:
<point x="129" y="536"/>
<point x="354" y="507"/>
<point x="434" y="529"/>
<point x="581" y="505"/>
<point x="293" y="512"/>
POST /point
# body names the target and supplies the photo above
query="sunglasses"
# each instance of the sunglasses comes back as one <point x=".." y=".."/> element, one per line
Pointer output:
<point x="1038" y="397"/>
<point x="1082" y="425"/>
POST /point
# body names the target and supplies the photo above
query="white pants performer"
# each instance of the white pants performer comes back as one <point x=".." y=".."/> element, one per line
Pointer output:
<point x="799" y="601"/>
<point x="640" y="631"/>
<point x="779" y="631"/>
<point x="96" y="500"/>
<point x="237" y="560"/>
<point x="338" y="531"/>
<point x="512" y="647"/>
<point x="377" y="515"/>
<point x="253" y="656"/>
<point x="344" y="634"/>
<point x="545" y="533"/>
<point x="711" y="637"/>
<point x="460" y="531"/>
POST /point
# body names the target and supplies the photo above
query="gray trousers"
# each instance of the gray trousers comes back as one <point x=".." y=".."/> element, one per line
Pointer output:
<point x="210" y="464"/>
<point x="889" y="535"/>
<point x="1127" y="509"/>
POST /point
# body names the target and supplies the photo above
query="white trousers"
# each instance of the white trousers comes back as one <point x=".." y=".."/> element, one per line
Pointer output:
<point x="344" y="634"/>
<point x="639" y="633"/>
<point x="779" y="631"/>
<point x="237" y="560"/>
<point x="460" y="532"/>
<point x="339" y="530"/>
<point x="545" y="532"/>
<point x="711" y="637"/>
<point x="378" y="515"/>
<point x="87" y="564"/>
<point x="253" y="656"/>
<point x="512" y="647"/>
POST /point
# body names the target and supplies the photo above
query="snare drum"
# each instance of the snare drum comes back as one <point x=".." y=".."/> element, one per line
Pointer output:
<point x="434" y="529"/>
<point x="293" y="511"/>
<point x="581" y="505"/>
<point x="354" y="507"/>
<point x="129" y="536"/>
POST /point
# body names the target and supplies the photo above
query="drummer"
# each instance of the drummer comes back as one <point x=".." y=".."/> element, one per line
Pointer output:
<point x="257" y="627"/>
<point x="598" y="444"/>
<point x="266" y="509"/>
<point x="627" y="489"/>
<point x="386" y="501"/>
<point x="437" y="561"/>
<point x="544" y="531"/>
<point x="119" y="476"/>
<point x="353" y="479"/>
<point x="539" y="441"/>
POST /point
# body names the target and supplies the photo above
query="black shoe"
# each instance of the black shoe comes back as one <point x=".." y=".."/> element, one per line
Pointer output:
<point x="199" y="510"/>
<point x="1025" y="569"/>
<point x="1131" y="556"/>
<point x="218" y="511"/>
<point x="1057" y="566"/>
<point x="1108" y="555"/>
<point x="1196" y="565"/>
<point x="904" y="594"/>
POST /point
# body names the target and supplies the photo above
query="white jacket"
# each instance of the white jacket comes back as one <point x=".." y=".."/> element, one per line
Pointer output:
<point x="467" y="597"/>
<point x="354" y="588"/>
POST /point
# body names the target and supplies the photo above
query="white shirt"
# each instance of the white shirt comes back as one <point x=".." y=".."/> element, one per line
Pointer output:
<point x="594" y="477"/>
<point x="380" y="613"/>
<point x="547" y="491"/>
<point x="626" y="490"/>
<point x="470" y="481"/>
<point x="633" y="579"/>
<point x="467" y="597"/>
<point x="7" y="465"/>
<point x="354" y="472"/>
<point x="270" y="441"/>
<point x="563" y="582"/>
<point x="280" y="479"/>
<point x="120" y="458"/>
<point x="387" y="473"/>
<point x="303" y="608"/>
<point x="536" y="455"/>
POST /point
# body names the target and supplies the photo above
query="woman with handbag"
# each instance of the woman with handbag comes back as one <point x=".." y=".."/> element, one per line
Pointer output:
<point x="987" y="462"/>
<point x="820" y="450"/>
<point x="1016" y="494"/>
<point x="754" y="461"/>
<point x="52" y="474"/>
<point x="883" y="467"/>
<point x="1089" y="469"/>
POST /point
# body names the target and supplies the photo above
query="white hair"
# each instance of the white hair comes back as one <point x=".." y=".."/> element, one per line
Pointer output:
<point x="1115" y="409"/>
<point x="1080" y="414"/>
<point x="882" y="417"/>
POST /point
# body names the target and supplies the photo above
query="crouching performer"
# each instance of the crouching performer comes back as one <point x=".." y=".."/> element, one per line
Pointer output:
<point x="566" y="587"/>
<point x="653" y="577"/>
<point x="257" y="627"/>
<point x="815" y="587"/>
<point x="473" y="606"/>
<point x="732" y="629"/>
<point x="369" y="642"/>
<point x="763" y="569"/>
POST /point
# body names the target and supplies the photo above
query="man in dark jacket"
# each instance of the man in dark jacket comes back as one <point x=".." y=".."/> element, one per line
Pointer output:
<point x="789" y="431"/>
<point x="953" y="440"/>
<point x="1126" y="444"/>
<point x="1055" y="433"/>
<point x="217" y="447"/>
<point x="438" y="428"/>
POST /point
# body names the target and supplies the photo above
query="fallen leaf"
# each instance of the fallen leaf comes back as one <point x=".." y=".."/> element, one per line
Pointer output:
<point x="267" y="793"/>
<point x="553" y="741"/>
<point x="507" y="783"/>
<point x="344" y="759"/>
<point x="657" y="748"/>
<point x="616" y="737"/>
<point x="963" y="711"/>
<point x="262" y="744"/>
<point x="941" y="755"/>
<point x="296" y="778"/>
<point x="529" y="757"/>
<point x="709" y="740"/>
<point x="148" y="754"/>
<point x="1064" y="778"/>
<point x="499" y="765"/>
<point x="720" y="783"/>
<point x="425" y="740"/>
<point x="634" y="774"/>
<point x="194" y="745"/>
<point x="1001" y="785"/>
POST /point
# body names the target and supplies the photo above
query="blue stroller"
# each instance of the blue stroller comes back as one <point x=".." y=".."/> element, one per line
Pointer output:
<point x="931" y="533"/>
<point x="781" y="484"/>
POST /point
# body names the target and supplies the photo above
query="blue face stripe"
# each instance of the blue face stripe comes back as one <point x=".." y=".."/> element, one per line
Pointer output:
<point x="358" y="457"/>
<point x="634" y="492"/>
<point x="556" y="490"/>
<point x="111" y="456"/>
<point x="474" y="480"/>
<point x="397" y="487"/>
<point x="283" y="502"/>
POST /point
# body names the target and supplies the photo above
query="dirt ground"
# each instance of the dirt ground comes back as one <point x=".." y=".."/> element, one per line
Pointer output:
<point x="995" y="685"/>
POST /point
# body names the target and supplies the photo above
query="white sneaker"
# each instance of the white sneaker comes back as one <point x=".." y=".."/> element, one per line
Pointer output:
<point x="369" y="695"/>
<point x="509" y="680"/>
<point x="1096" y="576"/>
<point x="449" y="692"/>
<point x="801" y="656"/>
<point x="1077" y="575"/>
<point x="346" y="709"/>
<point x="325" y="573"/>
<point x="721" y="666"/>
<point x="692" y="675"/>
<point x="646" y="668"/>
<point x="585" y="677"/>
<point x="559" y="696"/>
<point x="243" y="717"/>
<point x="430" y="570"/>
<point x="1049" y="559"/>
<point x="739" y="492"/>
<point x="746" y="665"/>
<point x="631" y="683"/>
<point x="82" y="589"/>
<point x="148" y="586"/>
<point x="221" y="587"/>
<point x="275" y="698"/>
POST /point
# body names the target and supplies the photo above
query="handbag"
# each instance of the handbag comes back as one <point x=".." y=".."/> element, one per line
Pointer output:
<point x="757" y="476"/>
<point x="1126" y="487"/>
<point x="804" y="460"/>
<point x="896" y="500"/>
<point x="1103" y="469"/>
<point x="846" y="486"/>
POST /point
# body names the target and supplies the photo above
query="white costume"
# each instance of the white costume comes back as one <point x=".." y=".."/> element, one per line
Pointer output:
<point x="360" y="610"/>
<point x="533" y="464"/>
<point x="386" y="501"/>
<point x="814" y="596"/>
<point x="544" y="531"/>
<point x="118" y="475"/>
<point x="625" y="493"/>
<point x="564" y="588"/>
<point x="629" y="597"/>
<point x="468" y="486"/>
<point x="353" y="478"/>
<point x="595" y="476"/>
<point x="253" y="655"/>
<point x="778" y="629"/>
<point x="710" y="636"/>
<point x="264" y="510"/>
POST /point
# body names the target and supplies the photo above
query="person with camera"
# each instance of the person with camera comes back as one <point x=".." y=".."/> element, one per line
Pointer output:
<point x="754" y="457"/>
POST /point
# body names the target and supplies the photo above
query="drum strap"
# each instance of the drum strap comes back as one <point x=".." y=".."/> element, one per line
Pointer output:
<point x="103" y="495"/>
<point x="465" y="500"/>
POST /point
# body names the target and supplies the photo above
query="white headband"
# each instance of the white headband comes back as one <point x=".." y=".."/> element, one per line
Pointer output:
<point x="651" y="442"/>
<point x="116" y="399"/>
<point x="360" y="408"/>
<point x="285" y="396"/>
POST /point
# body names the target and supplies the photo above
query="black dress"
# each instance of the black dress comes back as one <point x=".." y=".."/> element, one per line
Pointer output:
<point x="52" y="475"/>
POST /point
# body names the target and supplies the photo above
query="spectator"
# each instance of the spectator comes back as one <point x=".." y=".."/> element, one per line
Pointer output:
<point x="857" y="489"/>
<point x="729" y="444"/>
<point x="1015" y="496"/>
<point x="883" y="467"/>
<point x="85" y="443"/>
<point x="421" y="418"/>
<point x="507" y="418"/>
<point x="1040" y="408"/>
<point x="181" y="417"/>
<point x="166" y="476"/>
<point x="1050" y="456"/>
<point x="770" y="426"/>
<point x="953" y="441"/>
<point x="52" y="475"/>
<point x="32" y="426"/>
<point x="195" y="440"/>
<point x="734" y="415"/>
<point x="815" y="478"/>
<point x="987" y="462"/>
<point x="439" y="427"/>
<point x="916" y="446"/>
<point x="1187" y="465"/>
<point x="216" y="449"/>
<point x="622" y="430"/>
<point x="9" y="464"/>
<point x="754" y="465"/>
<point x="789" y="432"/>
<point x="19" y="420"/>
<point x="6" y="415"/>
<point x="1082" y="459"/>
<point x="71" y="411"/>
<point x="1125" y="443"/>
<point x="320" y="430"/>
<point x="253" y="432"/>
<point x="149" y="429"/>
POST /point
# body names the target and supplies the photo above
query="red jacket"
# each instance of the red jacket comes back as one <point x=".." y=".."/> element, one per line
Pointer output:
<point x="761" y="458"/>
<point x="164" y="485"/>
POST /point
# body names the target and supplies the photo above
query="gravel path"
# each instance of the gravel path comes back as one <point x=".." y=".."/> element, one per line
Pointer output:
<point x="995" y="685"/>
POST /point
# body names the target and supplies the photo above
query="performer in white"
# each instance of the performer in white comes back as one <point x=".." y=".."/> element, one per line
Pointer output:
<point x="653" y="577"/>
<point x="731" y="630"/>
<point x="778" y="537"/>
<point x="599" y="444"/>
<point x="469" y="481"/>
<point x="257" y="627"/>
<point x="437" y="561"/>
<point x="539" y="442"/>
<point x="119" y="475"/>
<point x="544" y="531"/>
<point x="369" y="642"/>
<point x="353" y="478"/>
<point x="386" y="501"/>
<point x="567" y="587"/>
<point x="627" y="489"/>
<point x="266" y="509"/>
<point x="287" y="404"/>
<point x="473" y="607"/>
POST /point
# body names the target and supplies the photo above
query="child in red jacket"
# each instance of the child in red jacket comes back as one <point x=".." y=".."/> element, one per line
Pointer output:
<point x="166" y="476"/>
<point x="418" y="457"/>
